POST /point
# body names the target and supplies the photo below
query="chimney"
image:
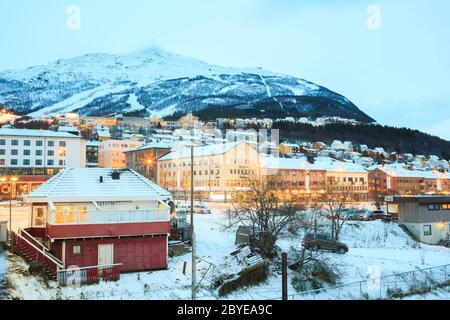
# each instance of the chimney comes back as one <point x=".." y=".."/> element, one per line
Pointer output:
<point x="115" y="175"/>
<point x="311" y="159"/>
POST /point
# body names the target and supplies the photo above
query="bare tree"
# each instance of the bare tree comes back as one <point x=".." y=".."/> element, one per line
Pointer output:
<point x="265" y="213"/>
<point x="337" y="207"/>
<point x="308" y="222"/>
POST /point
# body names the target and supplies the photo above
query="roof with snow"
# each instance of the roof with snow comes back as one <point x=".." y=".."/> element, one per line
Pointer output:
<point x="83" y="185"/>
<point x="208" y="150"/>
<point x="36" y="133"/>
<point x="320" y="164"/>
<point x="397" y="170"/>
<point x="154" y="145"/>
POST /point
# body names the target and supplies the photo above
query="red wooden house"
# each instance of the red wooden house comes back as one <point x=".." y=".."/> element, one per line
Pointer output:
<point x="98" y="222"/>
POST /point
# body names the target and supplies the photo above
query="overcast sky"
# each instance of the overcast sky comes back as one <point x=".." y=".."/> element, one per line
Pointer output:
<point x="399" y="74"/>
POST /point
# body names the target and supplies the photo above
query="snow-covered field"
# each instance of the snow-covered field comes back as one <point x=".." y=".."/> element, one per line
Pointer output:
<point x="3" y="275"/>
<point x="372" y="244"/>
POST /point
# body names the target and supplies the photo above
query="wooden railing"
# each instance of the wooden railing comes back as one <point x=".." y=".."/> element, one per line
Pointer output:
<point x="89" y="275"/>
<point x="32" y="239"/>
<point x="29" y="250"/>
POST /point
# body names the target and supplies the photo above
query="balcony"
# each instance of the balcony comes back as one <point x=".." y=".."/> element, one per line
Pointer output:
<point x="107" y="223"/>
<point x="79" y="217"/>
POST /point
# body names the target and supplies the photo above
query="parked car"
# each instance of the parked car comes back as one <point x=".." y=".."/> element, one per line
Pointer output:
<point x="389" y="218"/>
<point x="324" y="242"/>
<point x="354" y="215"/>
<point x="365" y="214"/>
<point x="202" y="209"/>
<point x="378" y="214"/>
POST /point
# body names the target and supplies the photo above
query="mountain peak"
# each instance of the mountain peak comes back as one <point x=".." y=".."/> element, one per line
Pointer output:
<point x="154" y="80"/>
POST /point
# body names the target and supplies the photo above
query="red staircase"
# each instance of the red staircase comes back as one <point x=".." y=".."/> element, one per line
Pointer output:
<point x="25" y="245"/>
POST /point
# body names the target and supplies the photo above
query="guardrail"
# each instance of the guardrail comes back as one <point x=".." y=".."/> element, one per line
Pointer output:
<point x="88" y="275"/>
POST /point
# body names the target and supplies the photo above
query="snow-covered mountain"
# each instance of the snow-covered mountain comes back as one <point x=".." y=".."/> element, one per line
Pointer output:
<point x="163" y="83"/>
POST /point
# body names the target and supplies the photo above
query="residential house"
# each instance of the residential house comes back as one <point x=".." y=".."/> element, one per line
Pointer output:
<point x="103" y="221"/>
<point x="426" y="217"/>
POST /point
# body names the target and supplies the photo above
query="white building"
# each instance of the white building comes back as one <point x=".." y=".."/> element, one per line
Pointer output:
<point x="41" y="149"/>
<point x="111" y="152"/>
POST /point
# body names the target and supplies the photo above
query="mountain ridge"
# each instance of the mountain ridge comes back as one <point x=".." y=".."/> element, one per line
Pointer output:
<point x="160" y="82"/>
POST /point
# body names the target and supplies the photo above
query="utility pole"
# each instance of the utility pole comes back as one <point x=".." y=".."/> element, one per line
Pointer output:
<point x="193" y="242"/>
<point x="284" y="275"/>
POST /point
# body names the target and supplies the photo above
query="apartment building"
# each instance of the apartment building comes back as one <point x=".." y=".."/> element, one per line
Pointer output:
<point x="112" y="152"/>
<point x="316" y="177"/>
<point x="397" y="180"/>
<point x="296" y="177"/>
<point x="92" y="154"/>
<point x="220" y="170"/>
<point x="39" y="152"/>
<point x="143" y="159"/>
<point x="345" y="178"/>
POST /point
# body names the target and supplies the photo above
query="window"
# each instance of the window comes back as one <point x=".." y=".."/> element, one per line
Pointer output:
<point x="427" y="230"/>
<point x="39" y="143"/>
<point x="26" y="152"/>
<point x="14" y="142"/>
<point x="61" y="162"/>
<point x="2" y="162"/>
<point x="14" y="152"/>
<point x="76" y="249"/>
<point x="2" y="152"/>
<point x="39" y="152"/>
<point x="2" y="142"/>
<point x="38" y="162"/>
<point x="26" y="162"/>
<point x="14" y="162"/>
<point x="434" y="207"/>
<point x="27" y="143"/>
<point x="51" y="143"/>
<point x="62" y="143"/>
<point x="446" y="206"/>
<point x="50" y="162"/>
<point x="50" y="153"/>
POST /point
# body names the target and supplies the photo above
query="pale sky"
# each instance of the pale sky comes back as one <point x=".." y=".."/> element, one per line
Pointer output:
<point x="399" y="74"/>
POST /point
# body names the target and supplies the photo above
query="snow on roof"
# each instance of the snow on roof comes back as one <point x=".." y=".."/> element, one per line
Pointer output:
<point x="36" y="133"/>
<point x="68" y="129"/>
<point x="83" y="185"/>
<point x="321" y="163"/>
<point x="92" y="143"/>
<point x="154" y="145"/>
<point x="397" y="170"/>
<point x="103" y="134"/>
<point x="208" y="150"/>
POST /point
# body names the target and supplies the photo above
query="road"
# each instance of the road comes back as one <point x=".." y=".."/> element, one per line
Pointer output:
<point x="21" y="215"/>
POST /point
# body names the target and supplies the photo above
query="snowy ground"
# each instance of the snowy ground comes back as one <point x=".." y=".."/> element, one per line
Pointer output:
<point x="3" y="275"/>
<point x="372" y="244"/>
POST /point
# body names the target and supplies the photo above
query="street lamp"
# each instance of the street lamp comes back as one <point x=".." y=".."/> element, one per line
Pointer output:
<point x="149" y="163"/>
<point x="11" y="180"/>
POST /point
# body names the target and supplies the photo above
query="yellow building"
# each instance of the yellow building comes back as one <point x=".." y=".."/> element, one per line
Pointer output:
<point x="220" y="170"/>
<point x="111" y="152"/>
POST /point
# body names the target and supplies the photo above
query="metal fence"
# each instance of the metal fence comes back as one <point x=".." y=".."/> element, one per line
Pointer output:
<point x="393" y="286"/>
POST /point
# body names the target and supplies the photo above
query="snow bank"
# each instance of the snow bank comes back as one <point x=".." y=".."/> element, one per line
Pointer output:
<point x="385" y="246"/>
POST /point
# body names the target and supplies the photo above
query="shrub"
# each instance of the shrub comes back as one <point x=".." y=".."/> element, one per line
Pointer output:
<point x="246" y="278"/>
